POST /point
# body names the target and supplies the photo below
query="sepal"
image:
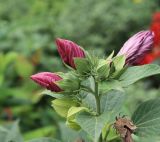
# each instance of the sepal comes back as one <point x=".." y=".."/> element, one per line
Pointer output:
<point x="103" y="69"/>
<point x="70" y="82"/>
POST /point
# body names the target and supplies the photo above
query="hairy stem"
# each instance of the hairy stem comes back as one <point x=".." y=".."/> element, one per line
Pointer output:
<point x="97" y="98"/>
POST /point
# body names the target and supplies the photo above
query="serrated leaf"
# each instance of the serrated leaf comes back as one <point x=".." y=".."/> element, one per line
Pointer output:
<point x="133" y="74"/>
<point x="147" y="118"/>
<point x="110" y="107"/>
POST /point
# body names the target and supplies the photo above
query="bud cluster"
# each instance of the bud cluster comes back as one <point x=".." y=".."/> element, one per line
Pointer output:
<point x="134" y="50"/>
<point x="88" y="75"/>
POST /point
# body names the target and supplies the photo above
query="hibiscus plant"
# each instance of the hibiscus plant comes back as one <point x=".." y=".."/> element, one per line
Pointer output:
<point x="91" y="94"/>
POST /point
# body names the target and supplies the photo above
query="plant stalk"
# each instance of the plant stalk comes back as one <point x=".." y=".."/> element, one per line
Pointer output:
<point x="98" y="105"/>
<point x="97" y="98"/>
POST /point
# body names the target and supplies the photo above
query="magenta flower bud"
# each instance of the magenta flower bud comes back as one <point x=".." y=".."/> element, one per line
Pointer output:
<point x="137" y="47"/>
<point x="47" y="80"/>
<point x="69" y="50"/>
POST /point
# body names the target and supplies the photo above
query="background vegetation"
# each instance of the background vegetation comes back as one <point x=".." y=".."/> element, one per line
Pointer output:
<point x="28" y="29"/>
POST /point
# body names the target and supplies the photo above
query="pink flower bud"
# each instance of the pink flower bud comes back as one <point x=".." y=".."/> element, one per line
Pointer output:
<point x="137" y="47"/>
<point x="47" y="80"/>
<point x="68" y="50"/>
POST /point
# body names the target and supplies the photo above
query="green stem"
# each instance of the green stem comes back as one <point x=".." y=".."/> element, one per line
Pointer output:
<point x="97" y="103"/>
<point x="97" y="98"/>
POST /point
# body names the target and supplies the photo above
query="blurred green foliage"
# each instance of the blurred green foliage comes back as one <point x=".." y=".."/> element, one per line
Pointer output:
<point x="28" y="29"/>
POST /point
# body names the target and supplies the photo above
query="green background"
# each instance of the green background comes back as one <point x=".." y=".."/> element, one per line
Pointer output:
<point x="28" y="29"/>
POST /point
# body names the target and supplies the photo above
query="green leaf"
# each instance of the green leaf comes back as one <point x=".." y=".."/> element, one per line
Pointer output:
<point x="147" y="118"/>
<point x="89" y="83"/>
<point x="110" y="107"/>
<point x="71" y="122"/>
<point x="111" y="102"/>
<point x="11" y="133"/>
<point x="110" y="85"/>
<point x="89" y="101"/>
<point x="74" y="110"/>
<point x="69" y="135"/>
<point x="146" y="139"/>
<point x="44" y="140"/>
<point x="3" y="133"/>
<point x="62" y="105"/>
<point x="91" y="124"/>
<point x="133" y="74"/>
<point x="88" y="97"/>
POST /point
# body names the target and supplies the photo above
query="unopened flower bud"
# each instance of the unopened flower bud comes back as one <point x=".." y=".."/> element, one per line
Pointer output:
<point x="69" y="50"/>
<point x="137" y="47"/>
<point x="47" y="80"/>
